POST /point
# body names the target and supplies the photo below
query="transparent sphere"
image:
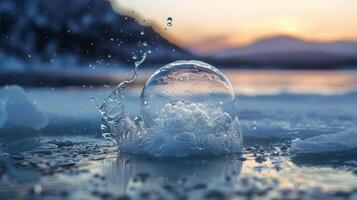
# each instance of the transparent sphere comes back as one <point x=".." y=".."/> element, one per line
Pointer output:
<point x="190" y="98"/>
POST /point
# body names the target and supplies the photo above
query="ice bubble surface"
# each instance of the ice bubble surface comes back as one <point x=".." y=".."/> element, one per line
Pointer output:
<point x="187" y="108"/>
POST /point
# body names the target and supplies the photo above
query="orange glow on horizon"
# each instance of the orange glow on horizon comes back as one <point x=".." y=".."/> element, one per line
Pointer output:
<point x="205" y="26"/>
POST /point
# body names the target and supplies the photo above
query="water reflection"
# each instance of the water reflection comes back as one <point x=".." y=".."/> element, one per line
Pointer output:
<point x="253" y="82"/>
<point x="261" y="82"/>
<point x="130" y="172"/>
<point x="332" y="159"/>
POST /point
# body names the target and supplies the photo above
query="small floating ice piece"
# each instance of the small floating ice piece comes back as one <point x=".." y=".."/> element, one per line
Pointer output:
<point x="340" y="141"/>
<point x="18" y="111"/>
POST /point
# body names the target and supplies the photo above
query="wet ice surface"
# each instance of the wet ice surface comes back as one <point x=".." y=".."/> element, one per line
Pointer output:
<point x="87" y="168"/>
<point x="61" y="165"/>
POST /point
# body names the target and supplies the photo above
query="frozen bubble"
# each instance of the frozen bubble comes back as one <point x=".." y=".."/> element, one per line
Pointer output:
<point x="187" y="108"/>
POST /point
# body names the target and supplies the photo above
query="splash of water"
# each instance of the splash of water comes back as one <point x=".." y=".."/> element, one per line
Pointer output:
<point x="113" y="110"/>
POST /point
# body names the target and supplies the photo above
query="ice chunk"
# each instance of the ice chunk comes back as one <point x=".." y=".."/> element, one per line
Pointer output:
<point x="18" y="111"/>
<point x="340" y="141"/>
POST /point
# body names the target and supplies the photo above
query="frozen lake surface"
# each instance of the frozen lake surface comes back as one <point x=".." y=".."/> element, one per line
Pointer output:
<point x="300" y="142"/>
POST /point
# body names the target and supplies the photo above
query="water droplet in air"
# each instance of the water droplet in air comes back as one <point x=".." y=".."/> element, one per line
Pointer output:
<point x="169" y="21"/>
<point x="145" y="44"/>
<point x="143" y="57"/>
<point x="37" y="189"/>
<point x="135" y="57"/>
<point x="142" y="33"/>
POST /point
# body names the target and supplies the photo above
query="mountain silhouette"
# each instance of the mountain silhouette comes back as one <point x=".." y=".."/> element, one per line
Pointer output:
<point x="75" y="33"/>
<point x="291" y="51"/>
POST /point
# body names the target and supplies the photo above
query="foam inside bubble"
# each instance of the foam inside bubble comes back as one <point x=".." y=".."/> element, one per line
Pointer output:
<point x="188" y="108"/>
<point x="198" y="118"/>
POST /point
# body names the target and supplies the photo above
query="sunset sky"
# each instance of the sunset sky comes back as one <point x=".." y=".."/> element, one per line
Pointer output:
<point x="207" y="25"/>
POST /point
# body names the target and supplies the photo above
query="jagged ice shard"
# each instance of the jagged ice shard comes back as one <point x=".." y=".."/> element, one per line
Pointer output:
<point x="187" y="108"/>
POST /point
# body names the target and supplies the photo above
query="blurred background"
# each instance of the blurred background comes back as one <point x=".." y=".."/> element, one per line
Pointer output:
<point x="280" y="46"/>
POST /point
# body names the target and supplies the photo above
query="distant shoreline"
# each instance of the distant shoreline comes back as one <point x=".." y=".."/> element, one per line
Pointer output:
<point x="109" y="78"/>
